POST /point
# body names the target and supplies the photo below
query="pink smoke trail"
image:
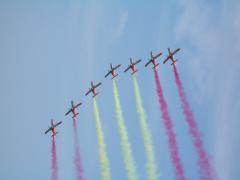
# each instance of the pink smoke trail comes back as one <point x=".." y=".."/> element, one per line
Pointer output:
<point x="54" y="160"/>
<point x="203" y="161"/>
<point x="77" y="157"/>
<point x="172" y="143"/>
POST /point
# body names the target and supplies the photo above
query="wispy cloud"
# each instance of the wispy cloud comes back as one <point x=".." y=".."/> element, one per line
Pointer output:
<point x="121" y="24"/>
<point x="212" y="30"/>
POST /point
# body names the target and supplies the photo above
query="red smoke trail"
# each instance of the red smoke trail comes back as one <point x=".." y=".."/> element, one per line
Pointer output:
<point x="54" y="160"/>
<point x="203" y="162"/>
<point x="77" y="157"/>
<point x="172" y="143"/>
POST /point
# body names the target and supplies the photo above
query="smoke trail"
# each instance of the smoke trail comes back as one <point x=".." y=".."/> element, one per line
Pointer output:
<point x="77" y="156"/>
<point x="147" y="139"/>
<point x="106" y="175"/>
<point x="203" y="162"/>
<point x="172" y="143"/>
<point x="54" y="160"/>
<point x="125" y="145"/>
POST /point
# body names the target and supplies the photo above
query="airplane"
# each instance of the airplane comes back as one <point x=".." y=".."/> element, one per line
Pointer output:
<point x="153" y="60"/>
<point x="112" y="71"/>
<point x="170" y="56"/>
<point x="73" y="109"/>
<point x="93" y="89"/>
<point x="132" y="66"/>
<point x="53" y="128"/>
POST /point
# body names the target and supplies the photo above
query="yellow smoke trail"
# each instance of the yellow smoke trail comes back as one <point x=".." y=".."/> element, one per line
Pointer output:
<point x="147" y="139"/>
<point x="105" y="169"/>
<point x="125" y="145"/>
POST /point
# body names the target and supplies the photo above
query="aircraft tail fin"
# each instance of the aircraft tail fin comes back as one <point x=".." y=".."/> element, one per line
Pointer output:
<point x="95" y="95"/>
<point x="75" y="115"/>
<point x="154" y="67"/>
<point x="55" y="134"/>
<point x="174" y="62"/>
<point x="134" y="72"/>
<point x="114" y="76"/>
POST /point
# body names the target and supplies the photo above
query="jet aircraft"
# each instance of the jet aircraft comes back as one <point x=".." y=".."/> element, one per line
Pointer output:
<point x="112" y="71"/>
<point x="171" y="56"/>
<point x="93" y="89"/>
<point x="153" y="60"/>
<point x="53" y="128"/>
<point x="73" y="109"/>
<point x="132" y="66"/>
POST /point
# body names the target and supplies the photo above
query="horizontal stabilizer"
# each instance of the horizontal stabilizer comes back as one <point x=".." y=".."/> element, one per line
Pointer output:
<point x="75" y="115"/>
<point x="95" y="95"/>
<point x="154" y="67"/>
<point x="134" y="72"/>
<point x="114" y="76"/>
<point x="174" y="62"/>
<point x="54" y="134"/>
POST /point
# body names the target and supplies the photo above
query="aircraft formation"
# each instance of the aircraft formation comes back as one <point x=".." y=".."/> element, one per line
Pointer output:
<point x="112" y="71"/>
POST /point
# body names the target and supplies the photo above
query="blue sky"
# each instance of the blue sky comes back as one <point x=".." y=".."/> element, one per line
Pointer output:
<point x="49" y="52"/>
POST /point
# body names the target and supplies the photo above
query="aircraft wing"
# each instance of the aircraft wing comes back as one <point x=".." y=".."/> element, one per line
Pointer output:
<point x="55" y="125"/>
<point x="127" y="69"/>
<point x="148" y="62"/>
<point x="88" y="92"/>
<point x="138" y="61"/>
<point x="117" y="66"/>
<point x="68" y="112"/>
<point x="98" y="85"/>
<point x="166" y="60"/>
<point x="176" y="51"/>
<point x="107" y="74"/>
<point x="79" y="104"/>
<point x="49" y="129"/>
<point x="155" y="57"/>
